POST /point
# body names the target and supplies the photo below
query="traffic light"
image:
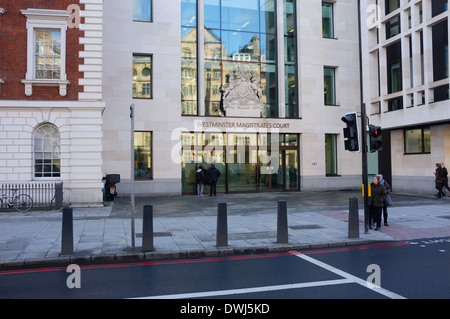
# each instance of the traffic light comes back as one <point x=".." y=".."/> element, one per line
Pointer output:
<point x="376" y="138"/>
<point x="351" y="132"/>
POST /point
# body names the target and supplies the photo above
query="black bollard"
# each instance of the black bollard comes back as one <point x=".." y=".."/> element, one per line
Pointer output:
<point x="353" y="218"/>
<point x="282" y="223"/>
<point x="222" y="225"/>
<point x="67" y="232"/>
<point x="147" y="228"/>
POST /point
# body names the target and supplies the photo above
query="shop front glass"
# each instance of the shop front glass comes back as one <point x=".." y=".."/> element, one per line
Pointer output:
<point x="248" y="162"/>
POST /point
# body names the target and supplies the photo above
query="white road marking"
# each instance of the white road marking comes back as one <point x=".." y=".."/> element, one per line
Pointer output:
<point x="351" y="278"/>
<point x="251" y="290"/>
<point x="348" y="279"/>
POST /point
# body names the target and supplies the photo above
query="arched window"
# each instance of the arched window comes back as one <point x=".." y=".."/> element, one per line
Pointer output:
<point x="47" y="151"/>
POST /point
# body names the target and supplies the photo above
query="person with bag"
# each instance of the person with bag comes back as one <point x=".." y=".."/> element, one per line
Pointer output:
<point x="388" y="200"/>
<point x="377" y="202"/>
<point x="200" y="176"/>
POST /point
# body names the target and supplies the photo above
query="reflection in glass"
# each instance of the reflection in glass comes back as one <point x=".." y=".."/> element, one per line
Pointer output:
<point x="241" y="46"/>
<point x="48" y="54"/>
<point x="142" y="10"/>
<point x="247" y="161"/>
<point x="189" y="13"/>
<point x="142" y="76"/>
<point x="329" y="86"/>
<point x="240" y="15"/>
<point x="240" y="35"/>
<point x="212" y="14"/>
<point x="47" y="151"/>
<point x="290" y="59"/>
<point x="143" y="155"/>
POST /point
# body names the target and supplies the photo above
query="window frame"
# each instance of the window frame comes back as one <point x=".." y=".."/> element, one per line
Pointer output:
<point x="334" y="97"/>
<point x="43" y="19"/>
<point x="424" y="149"/>
<point x="332" y="36"/>
<point x="139" y="90"/>
<point x="150" y="158"/>
<point x="150" y="20"/>
<point x="331" y="153"/>
<point x="53" y="176"/>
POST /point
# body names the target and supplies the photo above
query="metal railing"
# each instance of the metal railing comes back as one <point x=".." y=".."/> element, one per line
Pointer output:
<point x="46" y="196"/>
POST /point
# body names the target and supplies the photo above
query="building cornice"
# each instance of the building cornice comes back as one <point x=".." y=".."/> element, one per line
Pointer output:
<point x="52" y="104"/>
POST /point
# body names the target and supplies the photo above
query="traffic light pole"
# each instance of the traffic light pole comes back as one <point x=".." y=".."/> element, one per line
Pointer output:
<point x="365" y="174"/>
<point x="364" y="149"/>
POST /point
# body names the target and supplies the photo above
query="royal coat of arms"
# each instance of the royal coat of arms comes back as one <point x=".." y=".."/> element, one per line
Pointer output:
<point x="243" y="95"/>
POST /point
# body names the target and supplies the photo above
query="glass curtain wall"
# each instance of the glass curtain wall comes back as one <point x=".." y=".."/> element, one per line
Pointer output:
<point x="189" y="57"/>
<point x="290" y="49"/>
<point x="248" y="162"/>
<point x="240" y="35"/>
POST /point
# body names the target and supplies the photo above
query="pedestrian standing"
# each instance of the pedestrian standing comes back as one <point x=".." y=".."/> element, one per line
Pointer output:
<point x="377" y="202"/>
<point x="385" y="204"/>
<point x="439" y="180"/>
<point x="445" y="173"/>
<point x="200" y="176"/>
<point x="213" y="175"/>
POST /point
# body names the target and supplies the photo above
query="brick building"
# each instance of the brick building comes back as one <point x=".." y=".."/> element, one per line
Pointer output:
<point x="50" y="95"/>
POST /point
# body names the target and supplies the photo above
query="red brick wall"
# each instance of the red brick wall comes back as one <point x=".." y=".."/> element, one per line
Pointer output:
<point x="13" y="52"/>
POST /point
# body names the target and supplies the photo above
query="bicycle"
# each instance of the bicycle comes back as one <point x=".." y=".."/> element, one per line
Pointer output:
<point x="22" y="202"/>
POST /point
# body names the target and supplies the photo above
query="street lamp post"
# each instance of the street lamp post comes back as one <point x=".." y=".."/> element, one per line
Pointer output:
<point x="133" y="244"/>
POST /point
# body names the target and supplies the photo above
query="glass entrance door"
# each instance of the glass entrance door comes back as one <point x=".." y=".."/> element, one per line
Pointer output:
<point x="248" y="162"/>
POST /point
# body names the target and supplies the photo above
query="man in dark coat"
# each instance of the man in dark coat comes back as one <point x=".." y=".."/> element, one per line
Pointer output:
<point x="213" y="175"/>
<point x="439" y="181"/>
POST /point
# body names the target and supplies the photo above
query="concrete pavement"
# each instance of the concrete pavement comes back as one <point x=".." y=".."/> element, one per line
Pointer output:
<point x="185" y="227"/>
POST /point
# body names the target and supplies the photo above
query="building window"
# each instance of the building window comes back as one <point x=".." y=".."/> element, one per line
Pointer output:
<point x="290" y="48"/>
<point x="329" y="86"/>
<point x="143" y="168"/>
<point x="327" y="20"/>
<point x="48" y="54"/>
<point x="47" y="152"/>
<point x="142" y="76"/>
<point x="438" y="7"/>
<point x="393" y="27"/>
<point x="395" y="104"/>
<point x="189" y="57"/>
<point x="440" y="50"/>
<point x="46" y="49"/>
<point x="392" y="5"/>
<point x="418" y="141"/>
<point x="394" y="64"/>
<point x="240" y="36"/>
<point x="441" y="93"/>
<point x="142" y="10"/>
<point x="331" y="154"/>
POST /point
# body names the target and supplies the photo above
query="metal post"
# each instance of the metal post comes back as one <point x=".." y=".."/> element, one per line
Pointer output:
<point x="133" y="240"/>
<point x="67" y="232"/>
<point x="58" y="195"/>
<point x="222" y="225"/>
<point x="353" y="218"/>
<point x="147" y="228"/>
<point x="363" y="128"/>
<point x="282" y="223"/>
